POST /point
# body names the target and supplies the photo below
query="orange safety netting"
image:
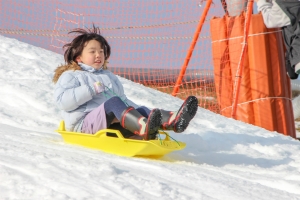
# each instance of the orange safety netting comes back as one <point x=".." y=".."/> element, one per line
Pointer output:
<point x="265" y="92"/>
<point x="149" y="39"/>
<point x="153" y="40"/>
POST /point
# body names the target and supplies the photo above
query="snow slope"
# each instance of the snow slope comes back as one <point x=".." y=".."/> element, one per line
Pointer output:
<point x="224" y="158"/>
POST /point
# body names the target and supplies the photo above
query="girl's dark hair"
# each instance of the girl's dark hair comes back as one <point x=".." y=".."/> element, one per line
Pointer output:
<point x="75" y="48"/>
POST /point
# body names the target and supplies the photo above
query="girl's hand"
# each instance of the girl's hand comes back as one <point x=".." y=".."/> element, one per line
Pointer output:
<point x="99" y="87"/>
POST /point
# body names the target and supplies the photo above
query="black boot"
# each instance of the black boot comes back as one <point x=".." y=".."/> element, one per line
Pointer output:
<point x="132" y="120"/>
<point x="179" y="121"/>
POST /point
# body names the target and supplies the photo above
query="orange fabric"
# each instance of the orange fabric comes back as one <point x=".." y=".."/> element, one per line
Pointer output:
<point x="244" y="112"/>
<point x="265" y="91"/>
<point x="261" y="69"/>
<point x="222" y="70"/>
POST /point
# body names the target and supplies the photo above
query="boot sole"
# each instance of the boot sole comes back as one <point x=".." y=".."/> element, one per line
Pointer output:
<point x="154" y="123"/>
<point x="186" y="113"/>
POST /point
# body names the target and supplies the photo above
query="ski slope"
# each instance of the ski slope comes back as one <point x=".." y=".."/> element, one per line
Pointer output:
<point x="224" y="159"/>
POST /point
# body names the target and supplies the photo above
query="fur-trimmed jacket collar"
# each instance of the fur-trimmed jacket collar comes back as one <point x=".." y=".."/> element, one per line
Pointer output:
<point x="62" y="68"/>
<point x="73" y="66"/>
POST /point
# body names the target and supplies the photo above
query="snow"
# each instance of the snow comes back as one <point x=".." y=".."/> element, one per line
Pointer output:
<point x="224" y="158"/>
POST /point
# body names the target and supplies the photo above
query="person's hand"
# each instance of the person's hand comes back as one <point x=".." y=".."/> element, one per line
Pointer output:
<point x="99" y="87"/>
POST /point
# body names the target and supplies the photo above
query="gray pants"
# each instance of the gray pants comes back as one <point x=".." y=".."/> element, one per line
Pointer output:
<point x="234" y="7"/>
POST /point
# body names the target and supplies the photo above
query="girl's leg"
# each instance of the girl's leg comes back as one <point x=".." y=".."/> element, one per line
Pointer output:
<point x="94" y="121"/>
<point x="113" y="109"/>
<point x="144" y="111"/>
<point x="103" y="116"/>
<point x="132" y="119"/>
<point x="115" y="106"/>
<point x="176" y="121"/>
<point x="179" y="121"/>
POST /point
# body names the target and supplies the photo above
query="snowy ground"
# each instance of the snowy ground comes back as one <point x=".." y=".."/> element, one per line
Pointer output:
<point x="224" y="158"/>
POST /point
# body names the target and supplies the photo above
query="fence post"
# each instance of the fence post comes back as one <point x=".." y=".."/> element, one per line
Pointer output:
<point x="191" y="49"/>
<point x="239" y="71"/>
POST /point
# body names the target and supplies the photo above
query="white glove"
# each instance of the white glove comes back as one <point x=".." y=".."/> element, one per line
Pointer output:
<point x="99" y="87"/>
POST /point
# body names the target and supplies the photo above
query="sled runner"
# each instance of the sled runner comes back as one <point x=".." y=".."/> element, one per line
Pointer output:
<point x="112" y="141"/>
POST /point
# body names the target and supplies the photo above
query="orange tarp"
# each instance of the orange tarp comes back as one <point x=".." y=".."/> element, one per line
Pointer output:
<point x="265" y="91"/>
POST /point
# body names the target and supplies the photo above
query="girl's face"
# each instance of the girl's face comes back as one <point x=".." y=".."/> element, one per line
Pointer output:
<point x="92" y="54"/>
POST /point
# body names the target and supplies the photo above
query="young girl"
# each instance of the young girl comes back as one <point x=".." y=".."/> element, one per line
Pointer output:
<point x="92" y="98"/>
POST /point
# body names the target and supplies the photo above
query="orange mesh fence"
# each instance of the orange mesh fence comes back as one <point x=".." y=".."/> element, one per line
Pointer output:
<point x="153" y="40"/>
<point x="149" y="39"/>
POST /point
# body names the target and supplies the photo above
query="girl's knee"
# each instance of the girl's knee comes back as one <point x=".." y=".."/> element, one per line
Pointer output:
<point x="115" y="99"/>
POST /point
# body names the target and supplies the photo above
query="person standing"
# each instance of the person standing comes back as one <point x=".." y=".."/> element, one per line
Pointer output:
<point x="285" y="14"/>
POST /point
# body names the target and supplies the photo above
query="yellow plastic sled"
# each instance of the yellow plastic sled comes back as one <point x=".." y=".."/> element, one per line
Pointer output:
<point x="112" y="141"/>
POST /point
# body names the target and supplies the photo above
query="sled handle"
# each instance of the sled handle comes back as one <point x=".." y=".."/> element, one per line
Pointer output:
<point x="61" y="126"/>
<point x="105" y="131"/>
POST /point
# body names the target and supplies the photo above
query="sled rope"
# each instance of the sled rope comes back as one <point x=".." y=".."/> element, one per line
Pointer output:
<point x="159" y="138"/>
<point x="107" y="96"/>
<point x="169" y="136"/>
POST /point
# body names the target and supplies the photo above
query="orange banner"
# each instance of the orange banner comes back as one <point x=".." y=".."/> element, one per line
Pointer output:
<point x="265" y="92"/>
